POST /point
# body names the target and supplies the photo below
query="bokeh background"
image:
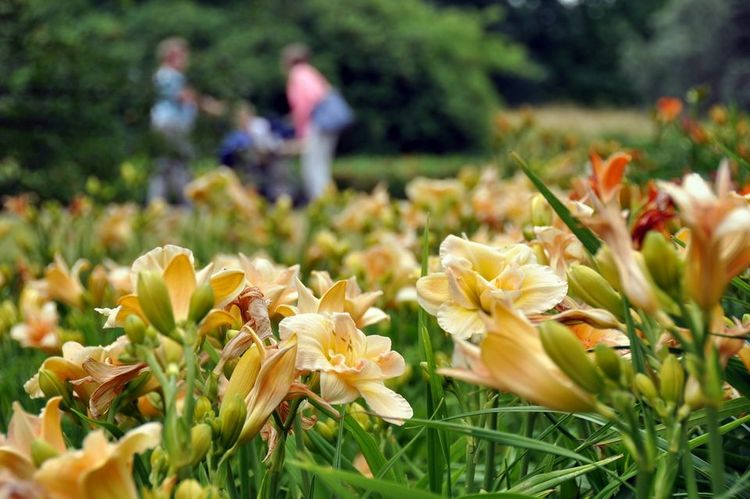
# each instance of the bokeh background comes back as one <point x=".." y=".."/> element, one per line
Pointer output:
<point x="425" y="77"/>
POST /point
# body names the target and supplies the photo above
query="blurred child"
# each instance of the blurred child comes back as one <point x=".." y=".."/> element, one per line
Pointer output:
<point x="258" y="150"/>
<point x="173" y="118"/>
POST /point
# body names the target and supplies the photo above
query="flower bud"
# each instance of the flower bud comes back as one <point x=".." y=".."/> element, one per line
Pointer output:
<point x="153" y="297"/>
<point x="135" y="329"/>
<point x="645" y="386"/>
<point x="41" y="450"/>
<point x="244" y="375"/>
<point x="211" y="388"/>
<point x="97" y="285"/>
<point x="608" y="361"/>
<point x="663" y="262"/>
<point x="541" y="213"/>
<point x="628" y="375"/>
<point x="605" y="264"/>
<point x="51" y="385"/>
<point x="176" y="439"/>
<point x="588" y="285"/>
<point x="189" y="489"/>
<point x="201" y="302"/>
<point x="200" y="442"/>
<point x="563" y="347"/>
<point x="203" y="408"/>
<point x="232" y="416"/>
<point x="360" y="415"/>
<point x="158" y="460"/>
<point x="672" y="379"/>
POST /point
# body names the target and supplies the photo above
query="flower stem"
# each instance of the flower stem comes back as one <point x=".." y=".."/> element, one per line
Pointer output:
<point x="688" y="471"/>
<point x="715" y="451"/>
<point x="489" y="463"/>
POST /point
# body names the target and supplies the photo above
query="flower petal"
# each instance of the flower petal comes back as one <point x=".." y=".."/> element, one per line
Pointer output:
<point x="460" y="322"/>
<point x="432" y="291"/>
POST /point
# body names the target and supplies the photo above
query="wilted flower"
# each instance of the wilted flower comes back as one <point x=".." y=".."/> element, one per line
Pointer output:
<point x="350" y="363"/>
<point x="719" y="245"/>
<point x="277" y="283"/>
<point x="476" y="276"/>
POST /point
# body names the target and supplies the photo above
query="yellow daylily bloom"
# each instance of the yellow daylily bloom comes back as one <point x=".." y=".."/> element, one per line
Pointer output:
<point x="277" y="283"/>
<point x="350" y="363"/>
<point x="513" y="355"/>
<point x="70" y="366"/>
<point x="341" y="296"/>
<point x="271" y="386"/>
<point x="176" y="266"/>
<point x="719" y="241"/>
<point x="476" y="276"/>
<point x="100" y="470"/>
<point x="39" y="328"/>
<point x="61" y="283"/>
<point x="16" y="456"/>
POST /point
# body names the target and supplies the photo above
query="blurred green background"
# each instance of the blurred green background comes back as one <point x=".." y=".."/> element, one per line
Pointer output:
<point x="423" y="76"/>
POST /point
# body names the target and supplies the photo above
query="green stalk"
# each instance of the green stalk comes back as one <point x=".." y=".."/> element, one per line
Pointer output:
<point x="715" y="451"/>
<point x="273" y="475"/>
<point x="189" y="385"/>
<point x="688" y="471"/>
<point x="244" y="471"/>
<point x="489" y="463"/>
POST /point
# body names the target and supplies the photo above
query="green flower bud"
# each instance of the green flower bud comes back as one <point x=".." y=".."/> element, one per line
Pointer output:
<point x="176" y="439"/>
<point x="608" y="361"/>
<point x="566" y="351"/>
<point x="663" y="262"/>
<point x="41" y="451"/>
<point x="189" y="489"/>
<point x="360" y="415"/>
<point x="541" y="212"/>
<point x="588" y="285"/>
<point x="153" y="297"/>
<point x="211" y="388"/>
<point x="605" y="264"/>
<point x="672" y="379"/>
<point x="51" y="385"/>
<point x="628" y="375"/>
<point x="201" y="302"/>
<point x="232" y="416"/>
<point x="203" y="408"/>
<point x="135" y="329"/>
<point x="645" y="387"/>
<point x="200" y="442"/>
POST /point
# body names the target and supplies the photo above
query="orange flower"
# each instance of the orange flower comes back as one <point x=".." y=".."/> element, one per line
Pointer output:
<point x="668" y="108"/>
<point x="606" y="177"/>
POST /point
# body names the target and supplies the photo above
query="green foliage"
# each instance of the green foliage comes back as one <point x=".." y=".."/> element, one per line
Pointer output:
<point x="77" y="93"/>
<point x="693" y="43"/>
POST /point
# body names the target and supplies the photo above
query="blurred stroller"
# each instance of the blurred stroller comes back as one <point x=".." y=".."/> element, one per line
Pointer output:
<point x="258" y="150"/>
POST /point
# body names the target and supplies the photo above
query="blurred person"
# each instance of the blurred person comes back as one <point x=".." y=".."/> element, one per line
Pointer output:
<point x="319" y="114"/>
<point x="258" y="149"/>
<point x="173" y="118"/>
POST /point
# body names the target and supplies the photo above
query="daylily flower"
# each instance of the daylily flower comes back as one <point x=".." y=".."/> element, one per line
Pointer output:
<point x="719" y="244"/>
<point x="39" y="328"/>
<point x="176" y="267"/>
<point x="277" y="283"/>
<point x="366" y="210"/>
<point x="23" y="429"/>
<point x="435" y="195"/>
<point x="609" y="224"/>
<point x="100" y="470"/>
<point x="496" y="201"/>
<point x="70" y="366"/>
<point x="341" y="296"/>
<point x="115" y="229"/>
<point x="668" y="109"/>
<point x="511" y="358"/>
<point x="606" y="177"/>
<point x="476" y="276"/>
<point x="561" y="247"/>
<point x="63" y="284"/>
<point x="350" y="363"/>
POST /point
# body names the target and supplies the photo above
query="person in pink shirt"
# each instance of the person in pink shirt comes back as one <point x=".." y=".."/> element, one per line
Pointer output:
<point x="306" y="88"/>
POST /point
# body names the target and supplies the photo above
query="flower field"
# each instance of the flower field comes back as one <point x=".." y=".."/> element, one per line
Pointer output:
<point x="569" y="320"/>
